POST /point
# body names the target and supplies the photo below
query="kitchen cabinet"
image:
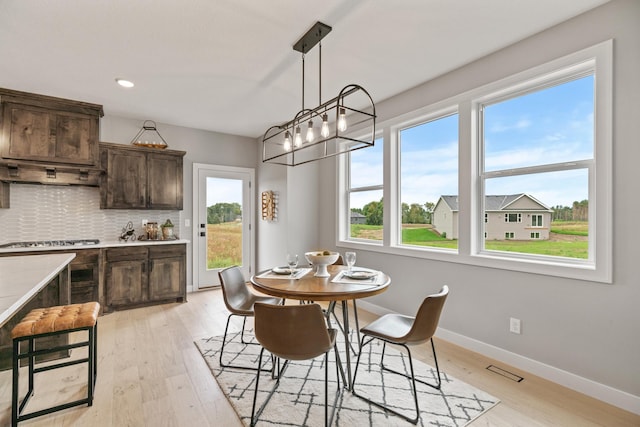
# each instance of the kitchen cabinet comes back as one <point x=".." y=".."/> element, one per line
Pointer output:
<point x="141" y="178"/>
<point x="143" y="275"/>
<point x="47" y="129"/>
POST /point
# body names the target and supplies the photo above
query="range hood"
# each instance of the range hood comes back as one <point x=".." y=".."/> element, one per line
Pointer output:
<point x="50" y="173"/>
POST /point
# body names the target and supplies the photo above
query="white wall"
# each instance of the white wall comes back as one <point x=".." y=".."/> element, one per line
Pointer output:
<point x="588" y="329"/>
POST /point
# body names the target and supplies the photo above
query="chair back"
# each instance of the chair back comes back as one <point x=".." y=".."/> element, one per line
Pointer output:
<point x="234" y="288"/>
<point x="293" y="332"/>
<point x="426" y="321"/>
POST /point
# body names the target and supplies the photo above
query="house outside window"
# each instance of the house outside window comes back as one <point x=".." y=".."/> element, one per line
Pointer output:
<point x="512" y="217"/>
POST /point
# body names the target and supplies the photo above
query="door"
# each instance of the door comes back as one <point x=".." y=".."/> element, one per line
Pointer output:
<point x="224" y="214"/>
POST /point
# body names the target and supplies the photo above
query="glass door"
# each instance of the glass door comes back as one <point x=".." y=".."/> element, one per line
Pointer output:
<point x="224" y="215"/>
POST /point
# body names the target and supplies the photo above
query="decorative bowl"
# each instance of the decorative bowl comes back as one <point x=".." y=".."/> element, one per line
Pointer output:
<point x="320" y="261"/>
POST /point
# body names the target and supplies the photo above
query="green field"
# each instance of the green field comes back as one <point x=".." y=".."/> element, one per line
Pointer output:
<point x="568" y="239"/>
<point x="224" y="244"/>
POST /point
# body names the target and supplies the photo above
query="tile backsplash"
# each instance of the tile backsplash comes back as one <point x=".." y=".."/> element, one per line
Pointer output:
<point x="51" y="212"/>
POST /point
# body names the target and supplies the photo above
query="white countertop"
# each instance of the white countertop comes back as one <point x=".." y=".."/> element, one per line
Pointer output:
<point x="22" y="277"/>
<point x="102" y="244"/>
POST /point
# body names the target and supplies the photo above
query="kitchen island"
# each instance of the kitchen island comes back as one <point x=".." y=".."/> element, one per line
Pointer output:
<point x="28" y="282"/>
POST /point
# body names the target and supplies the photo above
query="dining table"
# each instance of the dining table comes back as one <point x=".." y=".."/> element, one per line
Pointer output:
<point x="303" y="285"/>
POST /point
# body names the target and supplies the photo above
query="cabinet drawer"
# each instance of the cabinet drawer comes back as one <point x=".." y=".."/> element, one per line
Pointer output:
<point x="126" y="254"/>
<point x="162" y="251"/>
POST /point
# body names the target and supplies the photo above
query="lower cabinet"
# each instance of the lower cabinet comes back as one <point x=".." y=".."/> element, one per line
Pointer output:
<point x="144" y="275"/>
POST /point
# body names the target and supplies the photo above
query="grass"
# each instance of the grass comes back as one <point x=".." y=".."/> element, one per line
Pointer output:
<point x="224" y="245"/>
<point x="423" y="235"/>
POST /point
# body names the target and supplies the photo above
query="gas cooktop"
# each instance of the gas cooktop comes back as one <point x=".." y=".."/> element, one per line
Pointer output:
<point x="49" y="243"/>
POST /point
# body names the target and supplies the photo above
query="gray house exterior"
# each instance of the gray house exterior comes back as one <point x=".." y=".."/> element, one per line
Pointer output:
<point x="358" y="218"/>
<point x="507" y="217"/>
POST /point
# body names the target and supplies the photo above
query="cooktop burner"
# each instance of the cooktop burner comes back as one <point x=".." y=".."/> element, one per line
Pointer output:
<point x="48" y="243"/>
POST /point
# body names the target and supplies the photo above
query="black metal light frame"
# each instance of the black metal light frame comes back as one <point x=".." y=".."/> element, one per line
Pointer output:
<point x="353" y="100"/>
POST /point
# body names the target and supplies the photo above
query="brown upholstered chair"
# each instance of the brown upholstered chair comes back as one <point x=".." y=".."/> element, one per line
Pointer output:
<point x="295" y="332"/>
<point x="405" y="331"/>
<point x="239" y="301"/>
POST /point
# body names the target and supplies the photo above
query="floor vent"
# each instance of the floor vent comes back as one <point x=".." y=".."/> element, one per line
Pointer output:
<point x="507" y="374"/>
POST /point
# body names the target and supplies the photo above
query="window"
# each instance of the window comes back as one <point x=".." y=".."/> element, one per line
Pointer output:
<point x="536" y="220"/>
<point x="429" y="182"/>
<point x="537" y="152"/>
<point x="364" y="193"/>
<point x="512" y="160"/>
<point x="512" y="217"/>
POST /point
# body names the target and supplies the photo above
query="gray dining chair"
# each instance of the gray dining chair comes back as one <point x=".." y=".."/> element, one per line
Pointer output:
<point x="240" y="301"/>
<point x="295" y="332"/>
<point x="405" y="331"/>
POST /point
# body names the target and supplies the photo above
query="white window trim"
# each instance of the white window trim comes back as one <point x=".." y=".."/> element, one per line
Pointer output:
<point x="599" y="266"/>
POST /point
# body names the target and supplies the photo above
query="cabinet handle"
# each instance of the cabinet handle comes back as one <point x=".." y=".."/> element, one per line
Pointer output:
<point x="144" y="267"/>
<point x="150" y="266"/>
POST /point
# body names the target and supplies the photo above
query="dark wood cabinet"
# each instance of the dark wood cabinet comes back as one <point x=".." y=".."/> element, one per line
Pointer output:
<point x="141" y="178"/>
<point x="47" y="129"/>
<point x="167" y="272"/>
<point x="143" y="275"/>
<point x="126" y="276"/>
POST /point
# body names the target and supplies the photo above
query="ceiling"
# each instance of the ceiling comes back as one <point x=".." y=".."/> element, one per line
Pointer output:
<point x="229" y="66"/>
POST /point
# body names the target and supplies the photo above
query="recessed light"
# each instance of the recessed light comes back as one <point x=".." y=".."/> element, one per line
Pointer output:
<point x="124" y="83"/>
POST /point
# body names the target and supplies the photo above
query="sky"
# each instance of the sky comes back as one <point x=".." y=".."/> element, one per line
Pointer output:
<point x="548" y="126"/>
<point x="222" y="190"/>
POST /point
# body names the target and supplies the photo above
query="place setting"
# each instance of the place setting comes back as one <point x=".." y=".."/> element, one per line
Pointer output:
<point x="360" y="275"/>
<point x="289" y="271"/>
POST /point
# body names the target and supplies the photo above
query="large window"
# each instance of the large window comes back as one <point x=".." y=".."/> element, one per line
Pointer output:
<point x="429" y="182"/>
<point x="537" y="153"/>
<point x="501" y="176"/>
<point x="364" y="193"/>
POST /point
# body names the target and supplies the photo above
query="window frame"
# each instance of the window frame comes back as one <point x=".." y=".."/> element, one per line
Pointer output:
<point x="471" y="219"/>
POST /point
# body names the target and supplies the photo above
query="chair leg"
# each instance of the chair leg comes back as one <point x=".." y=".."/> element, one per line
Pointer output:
<point x="412" y="378"/>
<point x="224" y="340"/>
<point x="436" y="385"/>
<point x="254" y="415"/>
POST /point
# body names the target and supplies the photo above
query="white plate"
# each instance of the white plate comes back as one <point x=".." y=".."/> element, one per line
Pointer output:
<point x="360" y="275"/>
<point x="282" y="270"/>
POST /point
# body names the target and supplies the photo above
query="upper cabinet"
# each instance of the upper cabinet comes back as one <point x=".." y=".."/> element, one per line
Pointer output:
<point x="46" y="129"/>
<point x="141" y="178"/>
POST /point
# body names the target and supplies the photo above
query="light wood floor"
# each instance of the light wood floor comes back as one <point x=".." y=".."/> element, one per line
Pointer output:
<point x="151" y="374"/>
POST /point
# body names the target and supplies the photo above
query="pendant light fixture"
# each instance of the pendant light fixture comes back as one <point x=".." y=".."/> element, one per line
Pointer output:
<point x="326" y="125"/>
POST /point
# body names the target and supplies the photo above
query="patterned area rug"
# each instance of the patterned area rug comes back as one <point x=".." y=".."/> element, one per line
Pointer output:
<point x="299" y="398"/>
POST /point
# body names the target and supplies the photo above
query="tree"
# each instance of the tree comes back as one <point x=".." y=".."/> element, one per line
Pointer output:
<point x="373" y="212"/>
<point x="223" y="212"/>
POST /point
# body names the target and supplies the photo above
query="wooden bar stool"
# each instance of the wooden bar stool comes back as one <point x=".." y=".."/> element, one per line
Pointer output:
<point x="47" y="322"/>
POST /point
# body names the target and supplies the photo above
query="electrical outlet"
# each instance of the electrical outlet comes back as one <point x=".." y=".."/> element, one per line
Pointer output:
<point x="144" y="222"/>
<point x="187" y="223"/>
<point x="514" y="325"/>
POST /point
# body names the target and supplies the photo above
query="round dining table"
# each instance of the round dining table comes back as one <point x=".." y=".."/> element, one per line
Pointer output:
<point x="308" y="287"/>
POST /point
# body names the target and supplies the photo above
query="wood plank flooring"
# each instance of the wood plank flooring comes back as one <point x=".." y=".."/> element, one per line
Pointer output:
<point x="151" y="374"/>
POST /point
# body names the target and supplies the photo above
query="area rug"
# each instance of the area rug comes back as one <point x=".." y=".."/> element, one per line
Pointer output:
<point x="299" y="399"/>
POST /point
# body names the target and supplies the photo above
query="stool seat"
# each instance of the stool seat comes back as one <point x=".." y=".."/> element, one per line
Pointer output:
<point x="57" y="319"/>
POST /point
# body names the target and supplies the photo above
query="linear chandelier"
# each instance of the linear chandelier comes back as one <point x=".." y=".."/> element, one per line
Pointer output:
<point x="320" y="132"/>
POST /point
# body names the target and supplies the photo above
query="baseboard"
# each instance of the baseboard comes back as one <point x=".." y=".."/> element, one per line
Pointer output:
<point x="602" y="392"/>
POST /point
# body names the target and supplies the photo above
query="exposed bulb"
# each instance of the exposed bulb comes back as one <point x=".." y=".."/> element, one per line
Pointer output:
<point x="324" y="131"/>
<point x="297" y="140"/>
<point x="287" y="141"/>
<point x="342" y="120"/>
<point x="310" y="134"/>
